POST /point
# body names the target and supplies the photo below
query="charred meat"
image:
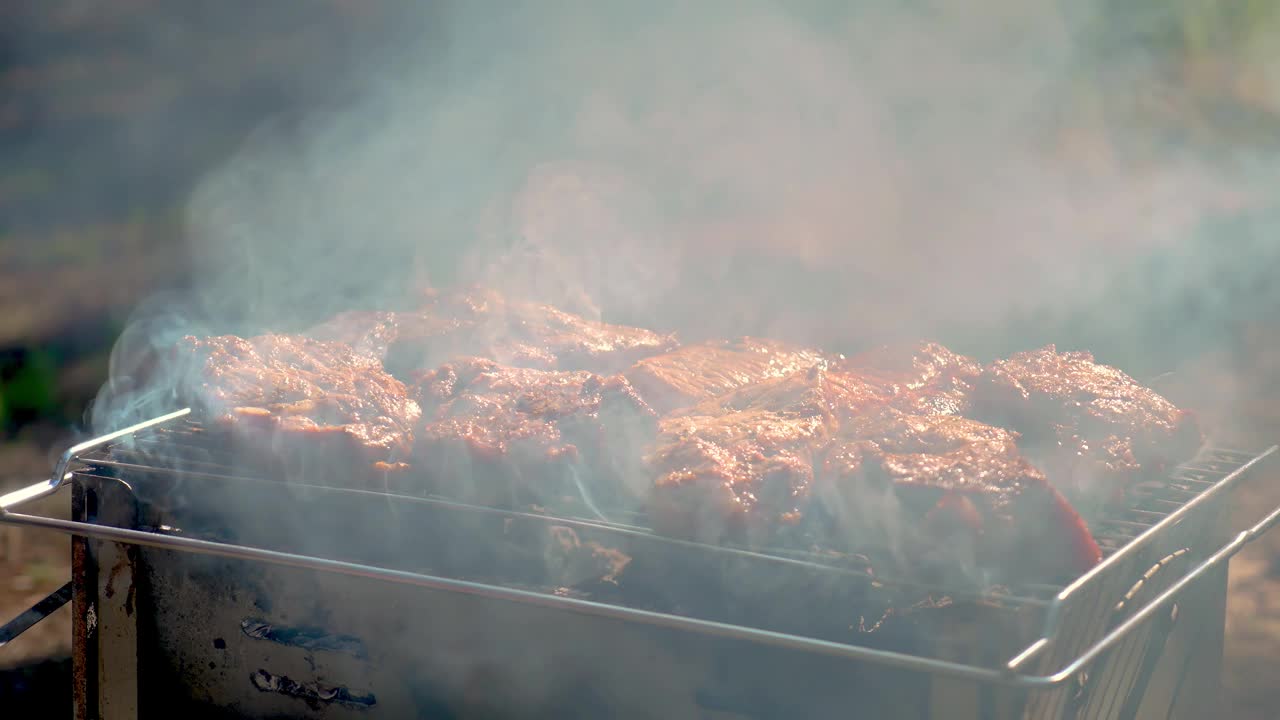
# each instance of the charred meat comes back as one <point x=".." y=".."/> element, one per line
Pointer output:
<point x="518" y="437"/>
<point x="741" y="466"/>
<point x="694" y="373"/>
<point x="925" y="378"/>
<point x="483" y="323"/>
<point x="1093" y="428"/>
<point x="294" y="399"/>
<point x="954" y="494"/>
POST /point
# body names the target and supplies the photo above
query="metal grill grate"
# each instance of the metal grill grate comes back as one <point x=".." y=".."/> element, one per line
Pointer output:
<point x="187" y="451"/>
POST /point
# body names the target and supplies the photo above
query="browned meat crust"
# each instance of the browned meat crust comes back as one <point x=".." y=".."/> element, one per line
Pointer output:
<point x="739" y="465"/>
<point x="925" y="378"/>
<point x="483" y="323"/>
<point x="956" y="493"/>
<point x="694" y="373"/>
<point x="289" y="395"/>
<point x="1092" y="427"/>
<point x="514" y="437"/>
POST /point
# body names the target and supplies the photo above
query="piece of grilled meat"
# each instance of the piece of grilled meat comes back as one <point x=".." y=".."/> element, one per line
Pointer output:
<point x="693" y="373"/>
<point x="952" y="496"/>
<point x="925" y="377"/>
<point x="1092" y="428"/>
<point x="483" y="323"/>
<point x="312" y="410"/>
<point x="511" y="437"/>
<point x="740" y="466"/>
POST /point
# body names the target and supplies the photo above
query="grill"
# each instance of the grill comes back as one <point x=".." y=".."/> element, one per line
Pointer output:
<point x="205" y="590"/>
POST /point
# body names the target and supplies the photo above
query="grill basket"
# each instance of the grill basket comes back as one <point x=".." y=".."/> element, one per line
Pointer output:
<point x="190" y="598"/>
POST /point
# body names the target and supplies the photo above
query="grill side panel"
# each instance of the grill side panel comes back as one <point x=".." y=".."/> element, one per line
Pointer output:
<point x="1118" y="685"/>
<point x="255" y="640"/>
<point x="392" y="651"/>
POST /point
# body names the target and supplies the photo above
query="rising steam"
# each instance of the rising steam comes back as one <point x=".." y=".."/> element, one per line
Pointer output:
<point x="818" y="173"/>
<point x="825" y="174"/>
<point x="812" y="171"/>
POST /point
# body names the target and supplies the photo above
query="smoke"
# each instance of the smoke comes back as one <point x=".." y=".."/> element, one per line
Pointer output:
<point x="826" y="174"/>
<point x="821" y="172"/>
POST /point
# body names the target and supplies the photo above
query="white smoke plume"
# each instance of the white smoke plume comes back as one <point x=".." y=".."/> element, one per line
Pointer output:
<point x="826" y="172"/>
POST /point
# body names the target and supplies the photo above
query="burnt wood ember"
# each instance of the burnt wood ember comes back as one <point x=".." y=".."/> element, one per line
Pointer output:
<point x="925" y="378"/>
<point x="694" y="373"/>
<point x="955" y="493"/>
<point x="740" y="466"/>
<point x="512" y="437"/>
<point x="288" y="399"/>
<point x="483" y="323"/>
<point x="1092" y="428"/>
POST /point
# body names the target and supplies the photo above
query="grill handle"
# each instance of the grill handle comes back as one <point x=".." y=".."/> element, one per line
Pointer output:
<point x="60" y="474"/>
<point x="46" y="607"/>
<point x="1009" y="676"/>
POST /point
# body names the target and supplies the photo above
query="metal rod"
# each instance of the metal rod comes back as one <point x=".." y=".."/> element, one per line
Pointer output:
<point x="895" y="659"/>
<point x="1054" y="616"/>
<point x="41" y="610"/>
<point x="60" y="474"/>
<point x="1164" y="598"/>
<point x="1137" y="543"/>
<point x="708" y="627"/>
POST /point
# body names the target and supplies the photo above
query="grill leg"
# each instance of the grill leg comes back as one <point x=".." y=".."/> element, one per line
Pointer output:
<point x="1187" y="684"/>
<point x="84" y="625"/>
<point x="1197" y="691"/>
<point x="117" y="632"/>
<point x="104" y="643"/>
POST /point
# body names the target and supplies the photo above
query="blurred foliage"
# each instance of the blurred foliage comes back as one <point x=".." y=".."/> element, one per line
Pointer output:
<point x="28" y="387"/>
<point x="1210" y="27"/>
<point x="1178" y="29"/>
<point x="1214" y="51"/>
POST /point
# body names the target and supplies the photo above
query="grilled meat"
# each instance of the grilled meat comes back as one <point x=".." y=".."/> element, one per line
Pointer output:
<point x="925" y="378"/>
<point x="1092" y="427"/>
<point x="483" y="323"/>
<point x="956" y="494"/>
<point x="740" y="466"/>
<point x="694" y="373"/>
<point x="374" y="333"/>
<point x="296" y="401"/>
<point x="513" y="437"/>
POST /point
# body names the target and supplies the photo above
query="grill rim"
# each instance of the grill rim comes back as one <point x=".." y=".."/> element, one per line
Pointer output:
<point x="1242" y="463"/>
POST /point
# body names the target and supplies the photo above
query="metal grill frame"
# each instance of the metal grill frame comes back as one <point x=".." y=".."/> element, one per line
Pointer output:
<point x="1081" y="626"/>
